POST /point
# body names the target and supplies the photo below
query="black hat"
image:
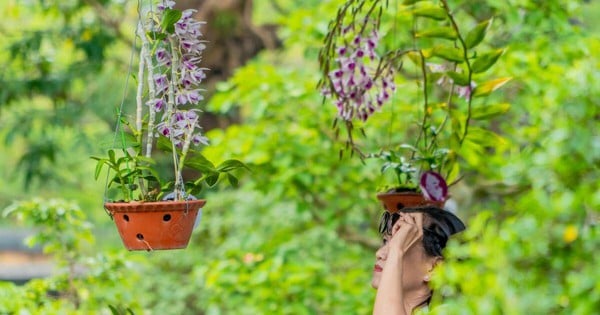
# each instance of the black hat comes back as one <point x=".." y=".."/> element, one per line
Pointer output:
<point x="441" y="221"/>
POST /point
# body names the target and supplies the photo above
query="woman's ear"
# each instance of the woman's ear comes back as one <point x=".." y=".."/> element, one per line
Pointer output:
<point x="434" y="261"/>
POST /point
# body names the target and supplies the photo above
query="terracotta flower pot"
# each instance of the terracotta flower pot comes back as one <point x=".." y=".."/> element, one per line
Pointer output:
<point x="155" y="225"/>
<point x="395" y="201"/>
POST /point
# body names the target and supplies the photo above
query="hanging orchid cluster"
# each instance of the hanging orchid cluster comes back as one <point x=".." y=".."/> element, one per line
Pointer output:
<point x="360" y="84"/>
<point x="171" y="51"/>
<point x="437" y="54"/>
<point x="177" y="77"/>
<point x="167" y="113"/>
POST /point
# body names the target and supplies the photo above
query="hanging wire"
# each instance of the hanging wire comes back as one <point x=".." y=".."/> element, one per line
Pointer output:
<point x="392" y="106"/>
<point x="119" y="127"/>
<point x="394" y="98"/>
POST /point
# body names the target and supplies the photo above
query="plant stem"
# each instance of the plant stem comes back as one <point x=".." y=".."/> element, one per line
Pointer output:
<point x="425" y="100"/>
<point x="171" y="112"/>
<point x="139" y="100"/>
<point x="449" y="105"/>
<point x="140" y="89"/>
<point x="152" y="93"/>
<point x="469" y="70"/>
<point x="186" y="143"/>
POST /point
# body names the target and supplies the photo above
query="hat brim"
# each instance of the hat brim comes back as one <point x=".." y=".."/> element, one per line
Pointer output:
<point x="446" y="220"/>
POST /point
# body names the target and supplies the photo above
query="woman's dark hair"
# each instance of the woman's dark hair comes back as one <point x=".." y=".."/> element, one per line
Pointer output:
<point x="438" y="225"/>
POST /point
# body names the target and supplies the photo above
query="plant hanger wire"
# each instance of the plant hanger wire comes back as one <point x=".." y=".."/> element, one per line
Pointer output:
<point x="119" y="132"/>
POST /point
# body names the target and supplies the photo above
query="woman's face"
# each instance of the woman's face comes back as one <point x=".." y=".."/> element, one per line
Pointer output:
<point x="415" y="265"/>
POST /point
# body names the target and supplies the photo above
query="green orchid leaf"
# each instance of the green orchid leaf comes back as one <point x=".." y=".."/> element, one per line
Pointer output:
<point x="430" y="10"/>
<point x="477" y="34"/>
<point x="232" y="180"/>
<point x="489" y="111"/>
<point x="408" y="2"/>
<point x="169" y="19"/>
<point x="409" y="147"/>
<point x="230" y="165"/>
<point x="193" y="188"/>
<point x="486" y="138"/>
<point x="490" y="86"/>
<point x="145" y="160"/>
<point x="445" y="32"/>
<point x="487" y="60"/>
<point x="156" y="36"/>
<point x="99" y="167"/>
<point x="212" y="179"/>
<point x="111" y="156"/>
<point x="449" y="53"/>
<point x="459" y="78"/>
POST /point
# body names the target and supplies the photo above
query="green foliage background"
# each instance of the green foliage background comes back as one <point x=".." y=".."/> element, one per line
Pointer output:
<point x="298" y="235"/>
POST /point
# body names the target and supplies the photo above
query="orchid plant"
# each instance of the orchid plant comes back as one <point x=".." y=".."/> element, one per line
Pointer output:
<point x="167" y="114"/>
<point x="367" y="52"/>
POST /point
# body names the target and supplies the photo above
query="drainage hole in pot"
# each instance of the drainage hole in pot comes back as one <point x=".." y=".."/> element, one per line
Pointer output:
<point x="399" y="206"/>
<point x="140" y="236"/>
<point x="167" y="217"/>
<point x="126" y="217"/>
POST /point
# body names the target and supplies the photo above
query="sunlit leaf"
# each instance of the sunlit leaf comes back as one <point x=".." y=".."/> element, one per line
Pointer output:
<point x="445" y="32"/>
<point x="488" y="87"/>
<point x="430" y="10"/>
<point x="486" y="138"/>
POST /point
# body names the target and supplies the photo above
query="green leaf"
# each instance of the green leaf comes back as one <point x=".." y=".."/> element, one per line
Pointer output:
<point x="99" y="166"/>
<point x="453" y="170"/>
<point x="490" y="86"/>
<point x="122" y="160"/>
<point x="164" y="144"/>
<point x="449" y="53"/>
<point x="170" y="17"/>
<point x="193" y="188"/>
<point x="232" y="180"/>
<point x="408" y="2"/>
<point x="430" y="10"/>
<point x="485" y="61"/>
<point x="486" y="138"/>
<point x="200" y="163"/>
<point x="457" y="118"/>
<point x="459" y="78"/>
<point x="156" y="36"/>
<point x="230" y="165"/>
<point x="111" y="156"/>
<point x="115" y="179"/>
<point x="477" y="34"/>
<point x="409" y="147"/>
<point x="144" y="160"/>
<point x="124" y="141"/>
<point x="438" y="32"/>
<point x="212" y="179"/>
<point x="489" y="111"/>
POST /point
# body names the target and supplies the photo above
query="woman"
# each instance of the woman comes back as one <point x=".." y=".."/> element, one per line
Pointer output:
<point x="413" y="241"/>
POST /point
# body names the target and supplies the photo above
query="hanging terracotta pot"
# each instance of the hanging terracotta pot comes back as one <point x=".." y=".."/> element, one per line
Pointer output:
<point x="155" y="225"/>
<point x="395" y="201"/>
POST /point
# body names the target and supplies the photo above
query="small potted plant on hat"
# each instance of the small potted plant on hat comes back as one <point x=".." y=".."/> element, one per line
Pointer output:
<point x="150" y="212"/>
<point x="369" y="48"/>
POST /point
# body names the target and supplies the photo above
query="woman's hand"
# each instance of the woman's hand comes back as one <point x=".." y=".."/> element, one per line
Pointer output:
<point x="406" y="232"/>
<point x="390" y="298"/>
